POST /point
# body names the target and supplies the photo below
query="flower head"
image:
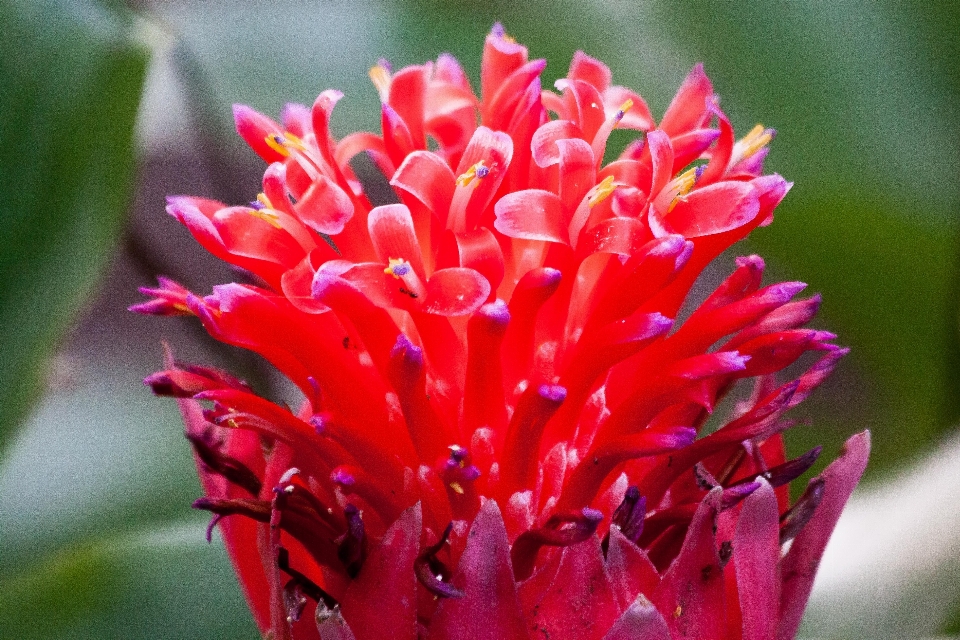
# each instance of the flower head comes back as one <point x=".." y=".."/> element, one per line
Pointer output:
<point x="505" y="431"/>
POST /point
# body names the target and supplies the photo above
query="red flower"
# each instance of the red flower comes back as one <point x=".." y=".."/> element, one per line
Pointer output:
<point x="505" y="432"/>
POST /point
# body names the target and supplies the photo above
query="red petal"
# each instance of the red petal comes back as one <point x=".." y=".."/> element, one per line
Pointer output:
<point x="407" y="92"/>
<point x="637" y="117"/>
<point x="692" y="591"/>
<point x="428" y="178"/>
<point x="689" y="106"/>
<point x="799" y="567"/>
<point x="756" y="555"/>
<point x="391" y="230"/>
<point x="501" y="57"/>
<point x="590" y="70"/>
<point x="532" y="214"/>
<point x="381" y="603"/>
<point x="714" y="209"/>
<point x="544" y="144"/>
<point x="622" y="236"/>
<point x="325" y="207"/>
<point x="254" y="127"/>
<point x="661" y="152"/>
<point x="455" y="292"/>
<point x="490" y="610"/>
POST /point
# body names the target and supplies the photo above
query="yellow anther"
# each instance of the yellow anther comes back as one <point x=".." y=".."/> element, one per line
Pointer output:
<point x="283" y="142"/>
<point x="479" y="170"/>
<point x="397" y="267"/>
<point x="602" y="191"/>
<point x="380" y="77"/>
<point x="757" y="139"/>
<point x="270" y="216"/>
<point x="682" y="184"/>
<point x="264" y="200"/>
<point x="677" y="611"/>
<point x="456" y="487"/>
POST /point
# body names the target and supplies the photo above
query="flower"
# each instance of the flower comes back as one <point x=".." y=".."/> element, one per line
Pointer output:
<point x="505" y="431"/>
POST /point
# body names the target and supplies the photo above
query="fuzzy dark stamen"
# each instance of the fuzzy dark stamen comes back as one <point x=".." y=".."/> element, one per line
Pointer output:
<point x="559" y="531"/>
<point x="432" y="573"/>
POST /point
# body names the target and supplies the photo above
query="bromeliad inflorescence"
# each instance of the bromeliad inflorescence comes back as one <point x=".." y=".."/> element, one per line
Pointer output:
<point x="502" y="432"/>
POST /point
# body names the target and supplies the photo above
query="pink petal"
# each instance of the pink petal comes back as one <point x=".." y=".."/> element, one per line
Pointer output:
<point x="580" y="604"/>
<point x="391" y="230"/>
<point x="501" y="57"/>
<point x="455" y="292"/>
<point x="641" y="621"/>
<point x="532" y="214"/>
<point x="297" y="286"/>
<point x="577" y="174"/>
<point x="756" y="555"/>
<point x="428" y="178"/>
<point x="714" y="209"/>
<point x="320" y="119"/>
<point x="490" y="608"/>
<point x="799" y="567"/>
<point x="325" y="207"/>
<point x="689" y="106"/>
<point x="692" y="591"/>
<point x="248" y="236"/>
<point x="381" y="602"/>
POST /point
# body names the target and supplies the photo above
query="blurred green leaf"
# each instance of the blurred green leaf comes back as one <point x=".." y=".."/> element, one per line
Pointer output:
<point x="156" y="583"/>
<point x="73" y="78"/>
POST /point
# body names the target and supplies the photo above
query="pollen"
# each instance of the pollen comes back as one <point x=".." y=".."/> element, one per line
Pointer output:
<point x="456" y="487"/>
<point x="397" y="267"/>
<point x="602" y="191"/>
<point x="262" y="208"/>
<point x="479" y="170"/>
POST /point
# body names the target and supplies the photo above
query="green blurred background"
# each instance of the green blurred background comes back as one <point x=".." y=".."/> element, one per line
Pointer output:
<point x="107" y="107"/>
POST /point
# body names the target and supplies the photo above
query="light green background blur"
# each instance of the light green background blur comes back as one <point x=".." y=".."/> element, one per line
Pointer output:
<point x="96" y="536"/>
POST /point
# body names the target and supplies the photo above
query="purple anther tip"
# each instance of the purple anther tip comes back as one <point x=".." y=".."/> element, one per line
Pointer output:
<point x="401" y="269"/>
<point x="411" y="353"/>
<point x="497" y="30"/>
<point x="699" y="172"/>
<point x="482" y="171"/>
<point x="496" y="311"/>
<point x="553" y="392"/>
<point x="383" y="62"/>
<point x="318" y="422"/>
<point x="343" y="478"/>
<point x="256" y="204"/>
<point x="771" y="132"/>
<point x="592" y="515"/>
<point x="470" y="473"/>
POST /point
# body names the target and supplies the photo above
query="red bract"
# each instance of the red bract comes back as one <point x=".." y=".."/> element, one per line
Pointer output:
<point x="505" y="433"/>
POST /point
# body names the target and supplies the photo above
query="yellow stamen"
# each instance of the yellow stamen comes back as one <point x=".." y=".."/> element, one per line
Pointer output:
<point x="757" y="139"/>
<point x="283" y="142"/>
<point x="270" y="216"/>
<point x="682" y="184"/>
<point x="265" y="201"/>
<point x="397" y="267"/>
<point x="479" y="170"/>
<point x="456" y="487"/>
<point x="677" y="611"/>
<point x="602" y="191"/>
<point x="380" y="77"/>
